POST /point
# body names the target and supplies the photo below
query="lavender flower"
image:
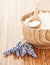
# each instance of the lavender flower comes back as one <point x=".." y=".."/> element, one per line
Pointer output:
<point x="31" y="52"/>
<point x="34" y="55"/>
<point x="18" y="45"/>
<point x="7" y="52"/>
<point x="21" y="49"/>
<point x="30" y="45"/>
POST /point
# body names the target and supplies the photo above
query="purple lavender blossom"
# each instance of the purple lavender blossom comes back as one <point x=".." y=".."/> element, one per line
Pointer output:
<point x="21" y="49"/>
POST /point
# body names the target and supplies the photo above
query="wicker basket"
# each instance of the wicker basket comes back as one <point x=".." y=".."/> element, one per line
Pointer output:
<point x="39" y="38"/>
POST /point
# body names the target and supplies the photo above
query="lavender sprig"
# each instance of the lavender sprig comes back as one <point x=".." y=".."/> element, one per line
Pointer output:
<point x="21" y="49"/>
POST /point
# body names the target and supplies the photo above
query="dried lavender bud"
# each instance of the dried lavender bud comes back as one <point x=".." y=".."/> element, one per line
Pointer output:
<point x="7" y="52"/>
<point x="34" y="55"/>
<point x="30" y="45"/>
<point x="23" y="51"/>
<point x="31" y="52"/>
<point x="17" y="49"/>
<point x="18" y="45"/>
<point x="25" y="45"/>
<point x="12" y="50"/>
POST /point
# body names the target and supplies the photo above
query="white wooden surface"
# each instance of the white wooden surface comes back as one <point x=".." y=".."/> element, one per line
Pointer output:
<point x="11" y="12"/>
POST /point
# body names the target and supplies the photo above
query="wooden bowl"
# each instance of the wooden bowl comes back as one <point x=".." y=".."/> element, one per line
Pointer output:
<point x="39" y="38"/>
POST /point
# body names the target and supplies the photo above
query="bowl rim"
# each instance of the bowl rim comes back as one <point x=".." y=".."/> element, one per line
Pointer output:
<point x="30" y="14"/>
